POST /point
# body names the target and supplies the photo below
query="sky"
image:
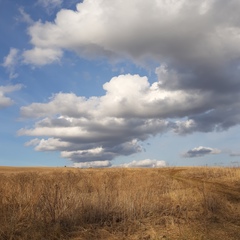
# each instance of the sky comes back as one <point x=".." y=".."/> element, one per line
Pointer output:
<point x="101" y="83"/>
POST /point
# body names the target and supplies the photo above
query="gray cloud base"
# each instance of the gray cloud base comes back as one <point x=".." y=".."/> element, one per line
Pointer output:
<point x="200" y="152"/>
<point x="100" y="128"/>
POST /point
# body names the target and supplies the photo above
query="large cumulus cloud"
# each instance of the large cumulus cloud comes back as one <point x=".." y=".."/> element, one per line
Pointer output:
<point x="177" y="31"/>
<point x="196" y="45"/>
<point x="102" y="128"/>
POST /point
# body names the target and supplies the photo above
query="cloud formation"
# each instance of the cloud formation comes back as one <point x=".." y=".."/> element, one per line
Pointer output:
<point x="4" y="90"/>
<point x="50" y="3"/>
<point x="199" y="61"/>
<point x="101" y="128"/>
<point x="10" y="62"/>
<point x="25" y="17"/>
<point x="117" y="27"/>
<point x="94" y="164"/>
<point x="200" y="152"/>
<point x="146" y="163"/>
<point x="196" y="45"/>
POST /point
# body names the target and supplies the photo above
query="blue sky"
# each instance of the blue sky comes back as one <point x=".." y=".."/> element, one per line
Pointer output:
<point x="119" y="83"/>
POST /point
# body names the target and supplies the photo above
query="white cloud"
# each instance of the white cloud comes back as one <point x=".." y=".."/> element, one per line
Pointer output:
<point x="94" y="164"/>
<point x="185" y="127"/>
<point x="131" y="111"/>
<point x="126" y="96"/>
<point x="200" y="152"/>
<point x="42" y="56"/>
<point x="33" y="142"/>
<point x="10" y="62"/>
<point x="6" y="101"/>
<point x="100" y="128"/>
<point x="50" y="3"/>
<point x="25" y="17"/>
<point x="199" y="68"/>
<point x="147" y="163"/>
<point x="117" y="28"/>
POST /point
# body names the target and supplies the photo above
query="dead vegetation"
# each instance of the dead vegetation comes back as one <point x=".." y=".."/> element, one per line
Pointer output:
<point x="150" y="204"/>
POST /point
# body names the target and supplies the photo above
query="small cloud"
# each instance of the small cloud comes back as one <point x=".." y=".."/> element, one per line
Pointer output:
<point x="41" y="56"/>
<point x="94" y="164"/>
<point x="6" y="101"/>
<point x="10" y="62"/>
<point x="50" y="4"/>
<point x="25" y="17"/>
<point x="200" y="152"/>
<point x="234" y="154"/>
<point x="32" y="142"/>
<point x="147" y="163"/>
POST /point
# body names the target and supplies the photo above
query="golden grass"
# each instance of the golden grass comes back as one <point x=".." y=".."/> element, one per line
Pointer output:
<point x="150" y="204"/>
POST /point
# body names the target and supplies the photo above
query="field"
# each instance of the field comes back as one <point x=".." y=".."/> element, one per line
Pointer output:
<point x="133" y="204"/>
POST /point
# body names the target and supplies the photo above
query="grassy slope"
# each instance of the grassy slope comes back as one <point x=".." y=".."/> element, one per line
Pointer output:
<point x="166" y="203"/>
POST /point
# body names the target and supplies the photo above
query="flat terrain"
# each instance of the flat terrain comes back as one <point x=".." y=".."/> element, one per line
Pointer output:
<point x="6" y="170"/>
<point x="94" y="204"/>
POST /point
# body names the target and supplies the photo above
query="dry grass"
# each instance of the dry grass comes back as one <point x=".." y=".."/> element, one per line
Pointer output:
<point x="150" y="204"/>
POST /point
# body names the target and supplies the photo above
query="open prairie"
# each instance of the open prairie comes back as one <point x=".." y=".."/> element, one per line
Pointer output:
<point x="96" y="204"/>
